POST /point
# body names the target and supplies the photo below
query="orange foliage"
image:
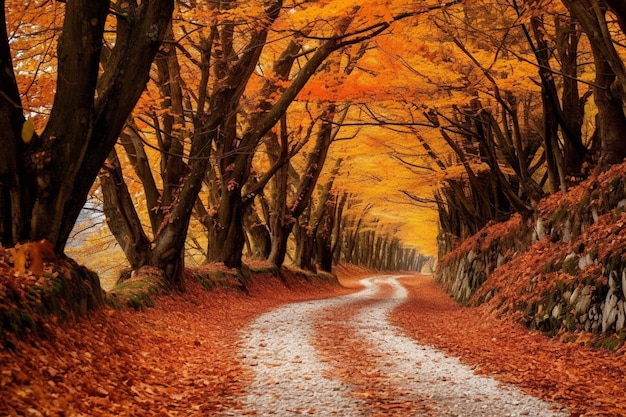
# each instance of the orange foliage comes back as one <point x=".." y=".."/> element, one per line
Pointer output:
<point x="32" y="255"/>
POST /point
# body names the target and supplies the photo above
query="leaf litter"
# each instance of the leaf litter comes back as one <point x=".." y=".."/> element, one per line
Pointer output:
<point x="183" y="357"/>
<point x="384" y="373"/>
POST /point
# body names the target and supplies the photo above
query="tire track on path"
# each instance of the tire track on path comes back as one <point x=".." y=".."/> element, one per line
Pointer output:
<point x="289" y="374"/>
<point x="452" y="386"/>
<point x="360" y="364"/>
<point x="295" y="378"/>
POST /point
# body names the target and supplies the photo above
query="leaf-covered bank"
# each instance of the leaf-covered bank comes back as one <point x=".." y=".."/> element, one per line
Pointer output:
<point x="587" y="381"/>
<point x="562" y="270"/>
<point x="29" y="303"/>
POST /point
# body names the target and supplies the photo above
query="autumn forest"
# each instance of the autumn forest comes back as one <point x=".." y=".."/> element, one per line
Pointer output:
<point x="318" y="131"/>
<point x="327" y="136"/>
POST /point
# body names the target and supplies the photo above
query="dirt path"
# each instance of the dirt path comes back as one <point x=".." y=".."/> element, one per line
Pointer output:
<point x="298" y="370"/>
<point x="177" y="359"/>
<point x="186" y="357"/>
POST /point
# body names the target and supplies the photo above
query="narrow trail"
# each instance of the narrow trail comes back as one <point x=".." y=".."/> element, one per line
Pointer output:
<point x="356" y="355"/>
<point x="343" y="356"/>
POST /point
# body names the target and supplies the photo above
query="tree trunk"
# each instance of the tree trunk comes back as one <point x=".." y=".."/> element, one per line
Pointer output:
<point x="353" y="238"/>
<point x="259" y="235"/>
<point x="337" y="228"/>
<point x="136" y="154"/>
<point x="122" y="218"/>
<point x="173" y="168"/>
<point x="279" y="238"/>
<point x="574" y="151"/>
<point x="69" y="176"/>
<point x="367" y="248"/>
<point x="551" y="148"/>
<point x="552" y="112"/>
<point x="380" y="263"/>
<point x="349" y="239"/>
<point x="306" y="245"/>
<point x="281" y="221"/>
<point x="169" y="257"/>
<point x="378" y="248"/>
<point x="315" y="237"/>
<point x="286" y="217"/>
<point x="81" y="129"/>
<point x="610" y="121"/>
<point x="170" y="208"/>
<point x="324" y="237"/>
<point x="71" y="123"/>
<point x="591" y="15"/>
<point x="15" y="194"/>
<point x="227" y="237"/>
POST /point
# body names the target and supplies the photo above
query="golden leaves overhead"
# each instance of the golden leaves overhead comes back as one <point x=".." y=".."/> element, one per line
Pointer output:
<point x="412" y="67"/>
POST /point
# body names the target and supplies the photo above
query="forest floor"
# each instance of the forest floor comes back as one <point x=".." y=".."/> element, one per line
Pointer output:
<point x="191" y="355"/>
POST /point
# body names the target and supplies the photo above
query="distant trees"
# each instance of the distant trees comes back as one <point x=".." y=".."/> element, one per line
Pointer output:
<point x="371" y="244"/>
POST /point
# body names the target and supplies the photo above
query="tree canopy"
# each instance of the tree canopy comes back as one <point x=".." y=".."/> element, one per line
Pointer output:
<point x="299" y="131"/>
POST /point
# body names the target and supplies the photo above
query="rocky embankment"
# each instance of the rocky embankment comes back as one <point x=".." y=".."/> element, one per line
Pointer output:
<point x="562" y="270"/>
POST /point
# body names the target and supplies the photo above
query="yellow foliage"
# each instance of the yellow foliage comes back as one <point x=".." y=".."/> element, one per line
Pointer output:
<point x="28" y="131"/>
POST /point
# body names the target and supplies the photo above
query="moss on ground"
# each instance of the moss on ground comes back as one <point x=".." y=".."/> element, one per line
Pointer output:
<point x="64" y="292"/>
<point x="139" y="291"/>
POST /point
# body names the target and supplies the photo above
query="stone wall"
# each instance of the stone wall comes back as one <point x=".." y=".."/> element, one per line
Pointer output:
<point x="582" y="257"/>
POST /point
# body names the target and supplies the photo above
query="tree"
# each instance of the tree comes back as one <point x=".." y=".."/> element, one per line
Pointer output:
<point x="226" y="235"/>
<point x="229" y="113"/>
<point x="610" y="71"/>
<point x="205" y="115"/>
<point x="314" y="238"/>
<point x="286" y="213"/>
<point x="45" y="178"/>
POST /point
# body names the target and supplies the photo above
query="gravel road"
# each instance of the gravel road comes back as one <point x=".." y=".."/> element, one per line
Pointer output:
<point x="292" y="377"/>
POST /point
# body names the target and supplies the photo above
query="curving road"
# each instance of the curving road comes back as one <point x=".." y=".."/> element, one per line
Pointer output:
<point x="294" y="374"/>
